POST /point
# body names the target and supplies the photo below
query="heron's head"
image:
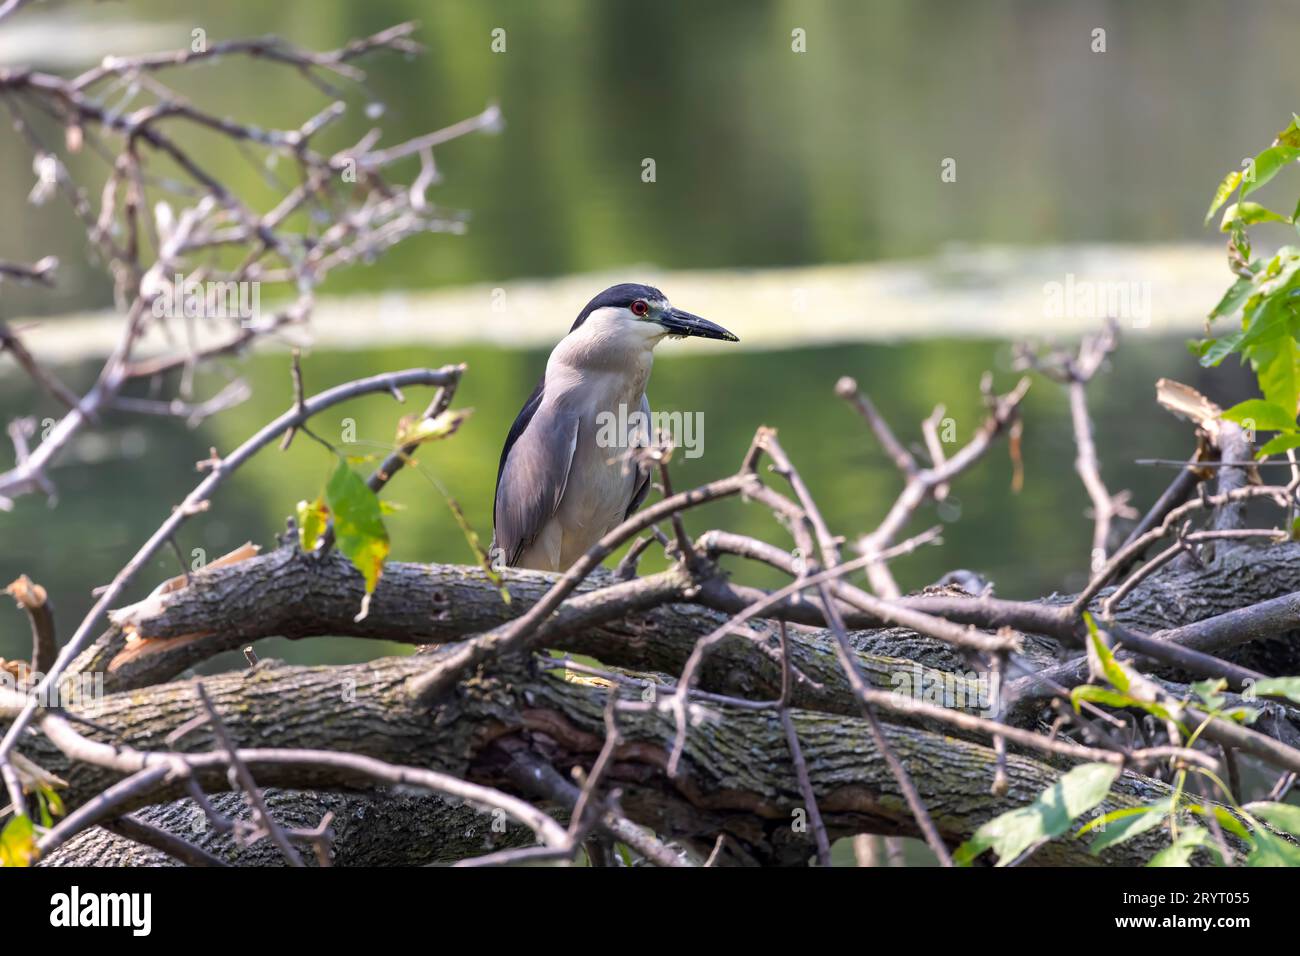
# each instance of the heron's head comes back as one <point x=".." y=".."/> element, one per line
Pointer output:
<point x="642" y="313"/>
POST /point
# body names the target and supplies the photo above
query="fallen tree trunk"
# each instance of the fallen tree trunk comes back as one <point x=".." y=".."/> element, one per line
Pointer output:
<point x="289" y="594"/>
<point x="737" y="776"/>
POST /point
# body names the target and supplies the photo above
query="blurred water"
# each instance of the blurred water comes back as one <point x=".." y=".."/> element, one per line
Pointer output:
<point x="763" y="156"/>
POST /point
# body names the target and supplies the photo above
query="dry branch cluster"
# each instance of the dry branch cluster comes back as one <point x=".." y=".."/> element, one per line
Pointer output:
<point x="723" y="723"/>
<point x="338" y="207"/>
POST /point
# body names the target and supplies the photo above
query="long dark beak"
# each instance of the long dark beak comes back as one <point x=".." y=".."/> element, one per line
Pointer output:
<point x="679" y="323"/>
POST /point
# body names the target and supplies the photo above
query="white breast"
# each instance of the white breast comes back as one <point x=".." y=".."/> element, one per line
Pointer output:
<point x="601" y="379"/>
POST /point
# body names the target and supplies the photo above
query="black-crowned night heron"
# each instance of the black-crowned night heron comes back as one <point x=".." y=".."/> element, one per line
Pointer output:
<point x="565" y="478"/>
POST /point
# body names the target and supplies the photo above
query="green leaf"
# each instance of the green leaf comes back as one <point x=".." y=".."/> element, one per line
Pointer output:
<point x="1232" y="300"/>
<point x="1241" y="714"/>
<point x="1272" y="319"/>
<point x="1109" y="666"/>
<point x="1016" y="831"/>
<point x="52" y="798"/>
<point x="1271" y="850"/>
<point x="1248" y="214"/>
<point x="1227" y="819"/>
<point x="359" y="530"/>
<point x="1214" y="351"/>
<point x="1179" y="853"/>
<point x="1279" y="443"/>
<point x="1277" y="364"/>
<point x="1266" y="415"/>
<point x="1272" y="312"/>
<point x="18" y="842"/>
<point x="1268" y="164"/>
<point x="1284" y="816"/>
<point x="1230" y="182"/>
<point x="47" y="821"/>
<point x="1291" y="135"/>
<point x="431" y="429"/>
<point x="1113" y="698"/>
<point x="1208" y="691"/>
<point x="1281" y="267"/>
<point x="1120" y="825"/>
<point x="1288" y="687"/>
<point x="312" y="516"/>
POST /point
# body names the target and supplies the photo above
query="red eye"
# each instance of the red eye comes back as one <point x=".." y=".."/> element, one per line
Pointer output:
<point x="639" y="307"/>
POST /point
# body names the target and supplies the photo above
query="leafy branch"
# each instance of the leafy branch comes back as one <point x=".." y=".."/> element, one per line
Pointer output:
<point x="1267" y="296"/>
<point x="1193" y="823"/>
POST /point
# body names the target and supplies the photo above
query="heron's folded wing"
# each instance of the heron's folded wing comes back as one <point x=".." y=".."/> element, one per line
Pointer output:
<point x="533" y="477"/>
<point x="640" y="472"/>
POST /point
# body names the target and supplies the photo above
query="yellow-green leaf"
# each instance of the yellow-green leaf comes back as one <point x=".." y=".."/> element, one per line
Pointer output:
<point x="1268" y="164"/>
<point x="18" y="842"/>
<point x="1291" y="135"/>
<point x="358" y="523"/>
<point x="1226" y="187"/>
<point x="444" y="425"/>
<point x="1109" y="666"/>
<point x="1227" y="819"/>
<point x="1248" y="214"/>
<point x="1113" y="698"/>
<point x="312" y="516"/>
<point x="1279" y="443"/>
<point x="52" y="797"/>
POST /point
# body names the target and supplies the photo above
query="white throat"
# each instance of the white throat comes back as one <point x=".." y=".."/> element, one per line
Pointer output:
<point x="604" y="362"/>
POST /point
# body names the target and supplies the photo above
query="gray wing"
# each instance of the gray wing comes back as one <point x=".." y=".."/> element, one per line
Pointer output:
<point x="642" y="476"/>
<point x="534" y="473"/>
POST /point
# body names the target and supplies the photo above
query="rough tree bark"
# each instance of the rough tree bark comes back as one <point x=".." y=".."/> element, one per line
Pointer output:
<point x="371" y="828"/>
<point x="737" y="779"/>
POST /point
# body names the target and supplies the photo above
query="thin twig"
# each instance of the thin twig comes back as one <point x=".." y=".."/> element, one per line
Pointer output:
<point x="191" y="505"/>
